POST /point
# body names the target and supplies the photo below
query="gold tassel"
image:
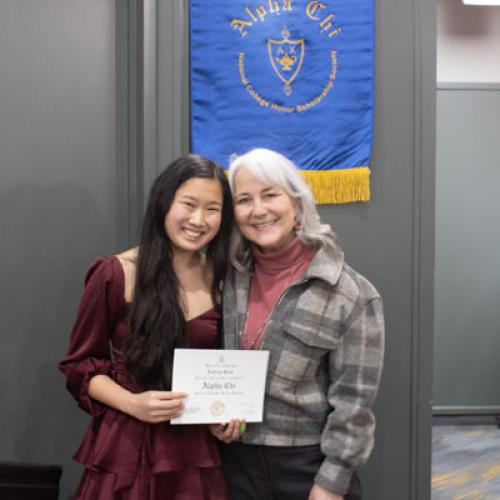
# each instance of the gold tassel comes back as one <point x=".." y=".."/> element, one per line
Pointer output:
<point x="339" y="186"/>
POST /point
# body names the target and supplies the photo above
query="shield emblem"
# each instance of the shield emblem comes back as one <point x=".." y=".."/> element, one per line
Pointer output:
<point x="286" y="58"/>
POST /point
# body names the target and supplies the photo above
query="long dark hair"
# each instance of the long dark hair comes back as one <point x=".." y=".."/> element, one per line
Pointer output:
<point x="157" y="323"/>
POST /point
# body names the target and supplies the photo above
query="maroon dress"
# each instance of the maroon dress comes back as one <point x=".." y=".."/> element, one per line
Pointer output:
<point x="125" y="458"/>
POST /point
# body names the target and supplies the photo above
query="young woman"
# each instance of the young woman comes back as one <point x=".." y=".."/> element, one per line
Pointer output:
<point x="137" y="307"/>
<point x="291" y="292"/>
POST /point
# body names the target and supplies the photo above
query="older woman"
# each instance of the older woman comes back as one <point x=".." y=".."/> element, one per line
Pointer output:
<point x="291" y="292"/>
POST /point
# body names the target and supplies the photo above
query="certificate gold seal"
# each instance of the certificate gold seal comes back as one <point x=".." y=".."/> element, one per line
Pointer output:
<point x="217" y="408"/>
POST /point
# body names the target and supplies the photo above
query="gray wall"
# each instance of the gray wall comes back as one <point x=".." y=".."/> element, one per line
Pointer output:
<point x="58" y="209"/>
<point x="89" y="115"/>
<point x="467" y="319"/>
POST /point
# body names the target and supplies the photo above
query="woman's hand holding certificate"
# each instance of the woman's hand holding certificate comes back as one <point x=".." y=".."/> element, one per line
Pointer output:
<point x="229" y="432"/>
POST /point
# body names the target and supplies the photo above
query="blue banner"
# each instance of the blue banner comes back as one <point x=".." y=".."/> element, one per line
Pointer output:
<point x="295" y="76"/>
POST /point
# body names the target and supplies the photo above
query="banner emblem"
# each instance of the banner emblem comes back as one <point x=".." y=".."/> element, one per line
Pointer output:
<point x="284" y="58"/>
<point x="295" y="76"/>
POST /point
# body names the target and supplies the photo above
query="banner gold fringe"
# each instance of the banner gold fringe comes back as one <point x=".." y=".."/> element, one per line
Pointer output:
<point x="339" y="186"/>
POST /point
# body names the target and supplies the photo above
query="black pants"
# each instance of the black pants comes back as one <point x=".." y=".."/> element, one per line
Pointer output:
<point x="255" y="472"/>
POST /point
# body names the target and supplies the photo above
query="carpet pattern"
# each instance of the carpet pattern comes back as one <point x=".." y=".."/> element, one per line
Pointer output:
<point x="465" y="462"/>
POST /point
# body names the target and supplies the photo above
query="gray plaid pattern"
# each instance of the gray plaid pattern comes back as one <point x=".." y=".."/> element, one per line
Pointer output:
<point x="326" y="342"/>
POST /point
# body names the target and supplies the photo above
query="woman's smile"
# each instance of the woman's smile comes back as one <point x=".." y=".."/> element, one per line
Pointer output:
<point x="192" y="234"/>
<point x="264" y="225"/>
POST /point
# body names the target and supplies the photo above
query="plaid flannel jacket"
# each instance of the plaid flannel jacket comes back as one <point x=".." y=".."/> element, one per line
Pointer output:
<point x="326" y="342"/>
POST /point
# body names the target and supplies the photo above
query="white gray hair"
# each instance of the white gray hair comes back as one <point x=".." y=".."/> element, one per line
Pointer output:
<point x="271" y="167"/>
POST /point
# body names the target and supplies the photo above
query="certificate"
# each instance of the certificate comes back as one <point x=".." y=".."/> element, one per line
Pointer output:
<point x="221" y="385"/>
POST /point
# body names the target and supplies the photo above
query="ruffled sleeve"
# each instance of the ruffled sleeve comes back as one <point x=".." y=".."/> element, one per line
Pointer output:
<point x="89" y="351"/>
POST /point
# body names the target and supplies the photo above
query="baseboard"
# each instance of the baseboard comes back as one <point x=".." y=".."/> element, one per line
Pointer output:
<point x="465" y="410"/>
<point x="29" y="481"/>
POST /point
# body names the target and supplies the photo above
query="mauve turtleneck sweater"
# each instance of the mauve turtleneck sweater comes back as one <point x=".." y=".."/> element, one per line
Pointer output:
<point x="273" y="273"/>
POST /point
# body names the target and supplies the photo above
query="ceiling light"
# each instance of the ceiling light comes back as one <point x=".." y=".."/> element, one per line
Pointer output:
<point x="481" y="2"/>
